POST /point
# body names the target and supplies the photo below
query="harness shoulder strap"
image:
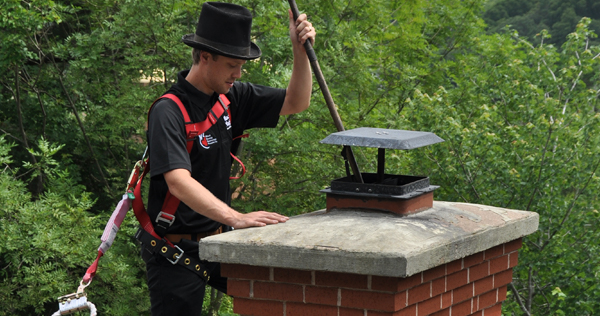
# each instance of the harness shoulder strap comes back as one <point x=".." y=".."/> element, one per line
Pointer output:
<point x="166" y="217"/>
<point x="194" y="129"/>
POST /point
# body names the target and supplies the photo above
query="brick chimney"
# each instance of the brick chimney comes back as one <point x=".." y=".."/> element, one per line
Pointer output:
<point x="449" y="259"/>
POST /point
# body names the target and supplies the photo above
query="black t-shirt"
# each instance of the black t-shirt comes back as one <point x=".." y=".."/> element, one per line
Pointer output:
<point x="209" y="161"/>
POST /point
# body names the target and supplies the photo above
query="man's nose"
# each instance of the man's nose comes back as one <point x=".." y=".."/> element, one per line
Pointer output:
<point x="237" y="73"/>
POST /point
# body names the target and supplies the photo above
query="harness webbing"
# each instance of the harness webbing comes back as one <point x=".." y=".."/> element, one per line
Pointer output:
<point x="166" y="217"/>
<point x="149" y="233"/>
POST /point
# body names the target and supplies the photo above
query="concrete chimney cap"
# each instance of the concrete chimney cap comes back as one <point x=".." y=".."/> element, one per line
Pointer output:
<point x="371" y="242"/>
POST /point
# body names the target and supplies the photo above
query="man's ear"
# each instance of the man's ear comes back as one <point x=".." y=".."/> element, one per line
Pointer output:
<point x="205" y="56"/>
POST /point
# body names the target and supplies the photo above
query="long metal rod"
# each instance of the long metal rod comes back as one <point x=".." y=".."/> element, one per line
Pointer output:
<point x="312" y="57"/>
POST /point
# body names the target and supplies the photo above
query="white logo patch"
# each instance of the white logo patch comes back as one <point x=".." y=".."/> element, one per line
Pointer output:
<point x="227" y="121"/>
<point x="205" y="140"/>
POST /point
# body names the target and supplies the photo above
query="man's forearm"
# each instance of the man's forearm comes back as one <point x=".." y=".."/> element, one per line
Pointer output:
<point x="198" y="198"/>
<point x="299" y="89"/>
<point x="202" y="201"/>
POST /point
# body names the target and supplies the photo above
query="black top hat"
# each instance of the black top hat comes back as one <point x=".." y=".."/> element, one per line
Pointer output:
<point x="224" y="29"/>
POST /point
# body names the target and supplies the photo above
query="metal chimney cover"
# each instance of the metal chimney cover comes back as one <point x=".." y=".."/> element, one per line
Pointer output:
<point x="382" y="138"/>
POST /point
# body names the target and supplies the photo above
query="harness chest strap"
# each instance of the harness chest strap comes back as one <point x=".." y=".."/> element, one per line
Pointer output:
<point x="192" y="130"/>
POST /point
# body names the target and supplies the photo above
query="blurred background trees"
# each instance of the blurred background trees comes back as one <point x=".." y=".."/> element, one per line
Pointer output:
<point x="518" y="108"/>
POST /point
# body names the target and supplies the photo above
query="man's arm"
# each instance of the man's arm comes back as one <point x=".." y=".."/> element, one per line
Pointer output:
<point x="297" y="98"/>
<point x="198" y="198"/>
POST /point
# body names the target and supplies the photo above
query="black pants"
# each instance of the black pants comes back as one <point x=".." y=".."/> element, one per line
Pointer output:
<point x="175" y="290"/>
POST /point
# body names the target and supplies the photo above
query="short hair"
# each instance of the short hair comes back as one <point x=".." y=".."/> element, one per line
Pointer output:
<point x="197" y="52"/>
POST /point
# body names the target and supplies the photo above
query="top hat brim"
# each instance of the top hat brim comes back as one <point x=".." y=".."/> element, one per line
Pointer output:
<point x="246" y="53"/>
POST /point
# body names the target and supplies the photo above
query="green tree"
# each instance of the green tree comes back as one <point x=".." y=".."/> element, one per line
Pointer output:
<point x="558" y="17"/>
<point x="49" y="242"/>
<point x="521" y="130"/>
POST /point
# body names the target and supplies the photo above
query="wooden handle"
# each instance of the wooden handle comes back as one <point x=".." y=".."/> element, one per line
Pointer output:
<point x="327" y="95"/>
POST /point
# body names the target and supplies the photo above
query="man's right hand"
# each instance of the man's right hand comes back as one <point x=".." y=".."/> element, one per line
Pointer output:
<point x="260" y="218"/>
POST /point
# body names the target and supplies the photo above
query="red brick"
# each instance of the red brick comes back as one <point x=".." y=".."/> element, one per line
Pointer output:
<point x="321" y="295"/>
<point x="462" y="293"/>
<point x="502" y="294"/>
<point x="493" y="252"/>
<point x="300" y="309"/>
<point x="454" y="266"/>
<point x="483" y="285"/>
<point x="513" y="259"/>
<point x="495" y="310"/>
<point x="351" y="312"/>
<point x="373" y="300"/>
<point x="457" y="279"/>
<point x="242" y="271"/>
<point x="278" y="291"/>
<point x="434" y="273"/>
<point x="479" y="271"/>
<point x="438" y="286"/>
<point x="429" y="306"/>
<point x="355" y="281"/>
<point x="463" y="308"/>
<point x="251" y="307"/>
<point x="488" y="299"/>
<point x="238" y="288"/>
<point x="389" y="284"/>
<point x="446" y="299"/>
<point x="472" y="260"/>
<point x="479" y="313"/>
<point x="378" y="313"/>
<point x="499" y="264"/>
<point x="292" y="276"/>
<point x="513" y="245"/>
<point x="445" y="312"/>
<point x="408" y="311"/>
<point x="419" y="293"/>
<point x="502" y="278"/>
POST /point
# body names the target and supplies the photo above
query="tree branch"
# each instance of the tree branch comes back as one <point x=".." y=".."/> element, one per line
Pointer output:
<point x="81" y="127"/>
<point x="518" y="298"/>
<point x="17" y="95"/>
<point x="540" y="171"/>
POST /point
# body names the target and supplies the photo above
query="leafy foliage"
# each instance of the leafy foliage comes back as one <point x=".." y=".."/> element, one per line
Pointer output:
<point x="48" y="244"/>
<point x="520" y="124"/>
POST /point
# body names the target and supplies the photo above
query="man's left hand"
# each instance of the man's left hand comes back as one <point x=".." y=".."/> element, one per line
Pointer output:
<point x="301" y="29"/>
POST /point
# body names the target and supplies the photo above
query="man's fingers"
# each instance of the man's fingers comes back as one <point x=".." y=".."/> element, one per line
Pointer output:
<point x="260" y="218"/>
<point x="272" y="217"/>
<point x="305" y="30"/>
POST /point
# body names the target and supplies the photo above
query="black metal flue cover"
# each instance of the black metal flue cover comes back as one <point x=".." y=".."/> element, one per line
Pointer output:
<point x="382" y="138"/>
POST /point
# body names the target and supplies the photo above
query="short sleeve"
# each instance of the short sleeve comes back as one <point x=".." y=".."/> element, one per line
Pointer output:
<point x="257" y="105"/>
<point x="166" y="138"/>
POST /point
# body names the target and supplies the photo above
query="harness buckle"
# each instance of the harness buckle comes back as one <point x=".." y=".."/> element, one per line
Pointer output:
<point x="165" y="217"/>
<point x="176" y="256"/>
<point x="71" y="303"/>
<point x="225" y="107"/>
<point x="212" y="117"/>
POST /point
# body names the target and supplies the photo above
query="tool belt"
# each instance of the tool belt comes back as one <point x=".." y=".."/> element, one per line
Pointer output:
<point x="173" y="254"/>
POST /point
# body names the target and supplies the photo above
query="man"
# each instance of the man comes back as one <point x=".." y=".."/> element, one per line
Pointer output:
<point x="200" y="179"/>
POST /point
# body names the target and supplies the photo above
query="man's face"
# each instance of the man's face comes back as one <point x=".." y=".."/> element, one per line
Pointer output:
<point x="222" y="73"/>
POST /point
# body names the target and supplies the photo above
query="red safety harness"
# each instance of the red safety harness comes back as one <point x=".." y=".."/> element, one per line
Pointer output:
<point x="152" y="235"/>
